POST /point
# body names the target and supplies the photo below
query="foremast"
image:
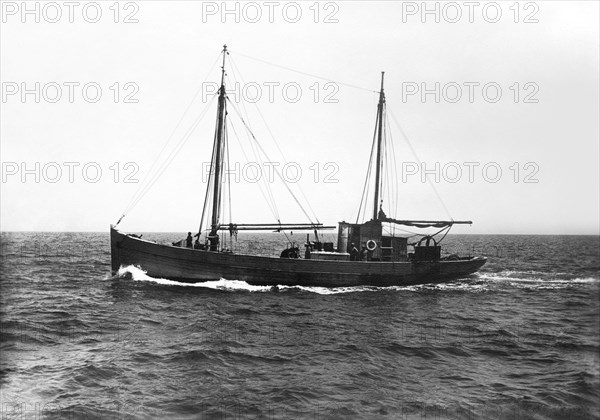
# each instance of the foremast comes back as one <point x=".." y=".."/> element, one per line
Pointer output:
<point x="215" y="183"/>
<point x="217" y="166"/>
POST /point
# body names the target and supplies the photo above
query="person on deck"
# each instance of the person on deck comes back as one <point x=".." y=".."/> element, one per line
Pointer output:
<point x="363" y="253"/>
<point x="189" y="241"/>
<point x="197" y="244"/>
<point x="353" y="253"/>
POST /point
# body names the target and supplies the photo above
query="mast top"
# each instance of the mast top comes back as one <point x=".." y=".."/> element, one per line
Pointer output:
<point x="223" y="66"/>
<point x="382" y="74"/>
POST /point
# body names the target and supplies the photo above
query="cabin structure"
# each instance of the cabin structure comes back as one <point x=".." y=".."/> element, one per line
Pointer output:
<point x="370" y="235"/>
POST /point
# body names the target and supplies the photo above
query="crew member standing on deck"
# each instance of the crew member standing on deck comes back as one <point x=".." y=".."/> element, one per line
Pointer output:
<point x="353" y="253"/>
<point x="363" y="253"/>
<point x="189" y="241"/>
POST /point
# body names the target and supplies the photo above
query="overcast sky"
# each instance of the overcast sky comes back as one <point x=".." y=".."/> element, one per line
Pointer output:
<point x="508" y="123"/>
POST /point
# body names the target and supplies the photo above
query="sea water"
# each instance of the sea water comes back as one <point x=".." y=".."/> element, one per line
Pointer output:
<point x="518" y="340"/>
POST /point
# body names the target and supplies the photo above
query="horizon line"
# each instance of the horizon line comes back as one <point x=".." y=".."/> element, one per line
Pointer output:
<point x="183" y="231"/>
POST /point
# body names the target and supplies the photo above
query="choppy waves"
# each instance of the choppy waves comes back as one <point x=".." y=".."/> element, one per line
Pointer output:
<point x="518" y="340"/>
<point x="539" y="280"/>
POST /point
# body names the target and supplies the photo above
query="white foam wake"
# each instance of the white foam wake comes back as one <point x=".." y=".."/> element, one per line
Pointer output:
<point x="535" y="277"/>
<point x="138" y="274"/>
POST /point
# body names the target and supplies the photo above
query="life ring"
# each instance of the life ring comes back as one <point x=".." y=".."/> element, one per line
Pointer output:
<point x="371" y="245"/>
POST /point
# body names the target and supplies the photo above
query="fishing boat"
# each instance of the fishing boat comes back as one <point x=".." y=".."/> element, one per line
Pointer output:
<point x="365" y="253"/>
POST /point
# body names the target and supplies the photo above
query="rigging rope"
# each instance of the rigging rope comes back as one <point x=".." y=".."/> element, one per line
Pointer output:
<point x="367" y="178"/>
<point x="169" y="159"/>
<point x="447" y="232"/>
<point x="412" y="234"/>
<point x="270" y="202"/>
<point x="386" y="184"/>
<point x="141" y="191"/>
<point x="395" y="168"/>
<point x="306" y="200"/>
<point x="228" y="177"/>
<point x="419" y="161"/>
<point x="275" y="169"/>
<point x="210" y="181"/>
<point x="271" y="199"/>
<point x="305" y="73"/>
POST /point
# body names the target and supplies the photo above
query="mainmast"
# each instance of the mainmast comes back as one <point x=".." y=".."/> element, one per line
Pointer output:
<point x="218" y="164"/>
<point x="379" y="164"/>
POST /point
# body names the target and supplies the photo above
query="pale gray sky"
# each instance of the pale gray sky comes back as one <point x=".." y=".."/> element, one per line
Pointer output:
<point x="542" y="127"/>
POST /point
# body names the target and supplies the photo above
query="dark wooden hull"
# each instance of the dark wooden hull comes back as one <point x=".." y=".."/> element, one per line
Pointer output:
<point x="189" y="265"/>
